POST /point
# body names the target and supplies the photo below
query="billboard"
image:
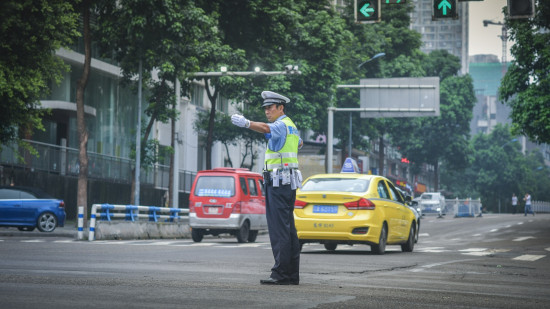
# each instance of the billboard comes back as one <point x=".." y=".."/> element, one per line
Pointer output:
<point x="399" y="97"/>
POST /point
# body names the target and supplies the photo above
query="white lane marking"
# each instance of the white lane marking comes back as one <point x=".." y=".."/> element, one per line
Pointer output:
<point x="424" y="235"/>
<point x="33" y="240"/>
<point x="432" y="249"/>
<point x="520" y="223"/>
<point x="473" y="250"/>
<point x="493" y="230"/>
<point x="482" y="251"/>
<point x="524" y="238"/>
<point x="528" y="257"/>
<point x="508" y="226"/>
<point x="476" y="235"/>
<point x="547" y="249"/>
<point x="424" y="267"/>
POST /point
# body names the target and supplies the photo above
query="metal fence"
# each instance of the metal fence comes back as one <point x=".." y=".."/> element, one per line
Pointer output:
<point x="541" y="207"/>
<point x="463" y="207"/>
<point x="64" y="161"/>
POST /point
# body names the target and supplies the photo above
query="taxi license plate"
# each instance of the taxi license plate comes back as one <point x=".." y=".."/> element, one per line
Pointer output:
<point x="325" y="209"/>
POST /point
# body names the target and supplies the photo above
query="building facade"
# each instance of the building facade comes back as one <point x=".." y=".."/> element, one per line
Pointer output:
<point x="449" y="34"/>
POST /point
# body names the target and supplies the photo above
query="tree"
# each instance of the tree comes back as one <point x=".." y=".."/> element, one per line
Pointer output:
<point x="168" y="38"/>
<point x="526" y="85"/>
<point x="273" y="34"/>
<point x="30" y="33"/>
<point x="82" y="186"/>
<point x="403" y="59"/>
<point x="443" y="139"/>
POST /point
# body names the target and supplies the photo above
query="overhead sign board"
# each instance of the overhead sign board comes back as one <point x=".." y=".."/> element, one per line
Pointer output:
<point x="399" y="97"/>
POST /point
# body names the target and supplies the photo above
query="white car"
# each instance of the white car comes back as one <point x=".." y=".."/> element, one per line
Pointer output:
<point x="432" y="203"/>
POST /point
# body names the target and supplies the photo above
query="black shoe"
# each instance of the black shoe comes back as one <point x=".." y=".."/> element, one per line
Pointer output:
<point x="274" y="281"/>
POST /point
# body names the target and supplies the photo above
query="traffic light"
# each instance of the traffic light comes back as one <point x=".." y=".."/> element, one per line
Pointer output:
<point x="367" y="11"/>
<point x="444" y="9"/>
<point x="521" y="9"/>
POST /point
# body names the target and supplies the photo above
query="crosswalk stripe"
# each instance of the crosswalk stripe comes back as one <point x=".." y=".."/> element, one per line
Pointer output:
<point x="528" y="257"/>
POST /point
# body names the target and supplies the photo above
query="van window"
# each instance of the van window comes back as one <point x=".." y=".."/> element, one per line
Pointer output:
<point x="243" y="186"/>
<point x="252" y="186"/>
<point x="216" y="186"/>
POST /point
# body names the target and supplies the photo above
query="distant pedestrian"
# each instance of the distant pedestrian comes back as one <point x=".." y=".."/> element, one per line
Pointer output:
<point x="514" y="203"/>
<point x="528" y="208"/>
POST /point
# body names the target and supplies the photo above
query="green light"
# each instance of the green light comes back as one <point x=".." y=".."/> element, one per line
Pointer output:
<point x="365" y="10"/>
<point x="444" y="4"/>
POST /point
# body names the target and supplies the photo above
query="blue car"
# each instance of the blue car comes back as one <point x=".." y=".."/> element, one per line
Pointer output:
<point x="29" y="208"/>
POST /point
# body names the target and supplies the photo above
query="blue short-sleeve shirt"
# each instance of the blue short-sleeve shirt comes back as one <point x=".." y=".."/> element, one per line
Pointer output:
<point x="277" y="137"/>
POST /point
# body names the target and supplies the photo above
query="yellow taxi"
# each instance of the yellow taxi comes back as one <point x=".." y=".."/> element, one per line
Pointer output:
<point x="351" y="208"/>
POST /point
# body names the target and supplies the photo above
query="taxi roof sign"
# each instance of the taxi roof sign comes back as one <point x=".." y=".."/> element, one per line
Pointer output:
<point x="350" y="166"/>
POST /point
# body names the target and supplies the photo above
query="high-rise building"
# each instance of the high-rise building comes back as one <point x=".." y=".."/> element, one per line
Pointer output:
<point x="449" y="34"/>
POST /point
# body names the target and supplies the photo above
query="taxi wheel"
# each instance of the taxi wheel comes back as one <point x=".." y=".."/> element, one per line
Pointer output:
<point x="409" y="245"/>
<point x="197" y="235"/>
<point x="331" y="246"/>
<point x="242" y="234"/>
<point x="380" y="248"/>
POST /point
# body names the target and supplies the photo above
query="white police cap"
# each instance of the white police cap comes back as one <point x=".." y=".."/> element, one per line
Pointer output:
<point x="271" y="97"/>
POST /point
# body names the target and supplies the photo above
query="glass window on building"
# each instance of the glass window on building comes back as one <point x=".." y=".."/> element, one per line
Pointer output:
<point x="197" y="95"/>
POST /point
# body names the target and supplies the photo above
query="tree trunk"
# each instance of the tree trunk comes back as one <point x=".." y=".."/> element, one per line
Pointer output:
<point x="172" y="158"/>
<point x="211" y="119"/>
<point x="82" y="193"/>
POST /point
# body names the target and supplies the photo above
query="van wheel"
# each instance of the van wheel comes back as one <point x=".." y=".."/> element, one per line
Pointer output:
<point x="197" y="235"/>
<point x="380" y="248"/>
<point x="242" y="234"/>
<point x="331" y="246"/>
<point x="252" y="236"/>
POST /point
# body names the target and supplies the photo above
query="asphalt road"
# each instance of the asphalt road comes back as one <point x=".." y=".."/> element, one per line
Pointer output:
<point x="498" y="261"/>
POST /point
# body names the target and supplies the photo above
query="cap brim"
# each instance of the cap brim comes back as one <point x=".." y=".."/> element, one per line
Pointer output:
<point x="268" y="103"/>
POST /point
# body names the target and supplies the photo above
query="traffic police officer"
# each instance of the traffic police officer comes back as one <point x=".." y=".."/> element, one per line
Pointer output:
<point x="281" y="177"/>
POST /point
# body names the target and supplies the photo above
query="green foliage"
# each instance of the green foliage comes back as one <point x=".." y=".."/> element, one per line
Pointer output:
<point x="30" y="33"/>
<point x="526" y="85"/>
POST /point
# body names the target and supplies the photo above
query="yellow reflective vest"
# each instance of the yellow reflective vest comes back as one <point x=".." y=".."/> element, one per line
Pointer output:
<point x="289" y="152"/>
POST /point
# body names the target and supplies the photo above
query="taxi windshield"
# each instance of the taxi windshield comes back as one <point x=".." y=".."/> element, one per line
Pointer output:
<point x="216" y="186"/>
<point x="336" y="184"/>
<point x="428" y="197"/>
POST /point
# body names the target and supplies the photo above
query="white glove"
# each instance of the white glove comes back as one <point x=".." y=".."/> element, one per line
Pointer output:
<point x="240" y="121"/>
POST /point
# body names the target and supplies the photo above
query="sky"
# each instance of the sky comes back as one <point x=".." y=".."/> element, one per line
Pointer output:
<point x="486" y="40"/>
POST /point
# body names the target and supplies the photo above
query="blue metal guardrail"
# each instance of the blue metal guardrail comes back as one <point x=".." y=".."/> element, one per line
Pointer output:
<point x="130" y="213"/>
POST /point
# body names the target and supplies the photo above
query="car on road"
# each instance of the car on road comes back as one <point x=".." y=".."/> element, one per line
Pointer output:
<point x="433" y="203"/>
<point x="414" y="207"/>
<point x="227" y="201"/>
<point x="28" y="208"/>
<point x="351" y="208"/>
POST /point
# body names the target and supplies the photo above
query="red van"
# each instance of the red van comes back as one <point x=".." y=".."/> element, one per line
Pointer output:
<point x="227" y="200"/>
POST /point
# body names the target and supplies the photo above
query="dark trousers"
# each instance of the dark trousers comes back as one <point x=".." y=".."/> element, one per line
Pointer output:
<point x="282" y="232"/>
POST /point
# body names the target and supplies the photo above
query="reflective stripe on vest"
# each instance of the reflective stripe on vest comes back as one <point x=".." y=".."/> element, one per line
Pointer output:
<point x="289" y="153"/>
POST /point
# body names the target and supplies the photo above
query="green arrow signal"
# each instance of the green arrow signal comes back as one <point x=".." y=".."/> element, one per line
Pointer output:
<point x="444" y="4"/>
<point x="365" y="10"/>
